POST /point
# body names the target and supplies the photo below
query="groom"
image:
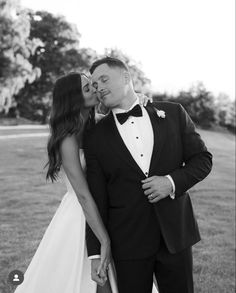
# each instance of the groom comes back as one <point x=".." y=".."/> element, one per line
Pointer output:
<point x="141" y="161"/>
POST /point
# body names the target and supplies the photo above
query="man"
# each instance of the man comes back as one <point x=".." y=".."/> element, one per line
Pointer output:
<point x="141" y="161"/>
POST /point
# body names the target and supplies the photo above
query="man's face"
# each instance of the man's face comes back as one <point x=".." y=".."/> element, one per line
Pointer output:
<point x="110" y="84"/>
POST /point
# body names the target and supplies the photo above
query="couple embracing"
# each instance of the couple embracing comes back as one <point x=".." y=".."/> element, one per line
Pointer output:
<point x="127" y="174"/>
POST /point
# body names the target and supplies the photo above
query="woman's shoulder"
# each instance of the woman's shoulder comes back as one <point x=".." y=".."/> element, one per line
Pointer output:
<point x="69" y="144"/>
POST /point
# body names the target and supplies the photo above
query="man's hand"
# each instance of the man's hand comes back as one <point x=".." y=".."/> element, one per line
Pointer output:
<point x="100" y="277"/>
<point x="156" y="188"/>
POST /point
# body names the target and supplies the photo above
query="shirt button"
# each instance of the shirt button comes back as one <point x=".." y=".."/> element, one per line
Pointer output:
<point x="132" y="122"/>
<point x="141" y="155"/>
<point x="146" y="173"/>
<point x="137" y="137"/>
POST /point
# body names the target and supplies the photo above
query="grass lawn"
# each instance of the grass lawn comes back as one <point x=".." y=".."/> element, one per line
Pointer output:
<point x="28" y="204"/>
<point x="25" y="131"/>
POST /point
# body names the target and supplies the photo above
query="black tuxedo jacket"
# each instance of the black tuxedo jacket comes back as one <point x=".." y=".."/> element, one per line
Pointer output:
<point x="114" y="179"/>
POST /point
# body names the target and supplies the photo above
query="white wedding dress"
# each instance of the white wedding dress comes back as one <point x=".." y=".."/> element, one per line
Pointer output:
<point x="60" y="264"/>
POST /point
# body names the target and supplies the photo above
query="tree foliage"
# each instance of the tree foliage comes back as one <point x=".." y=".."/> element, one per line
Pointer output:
<point x="15" y="52"/>
<point x="225" y="112"/>
<point x="204" y="109"/>
<point x="58" y="55"/>
<point x="197" y="101"/>
<point x="38" y="47"/>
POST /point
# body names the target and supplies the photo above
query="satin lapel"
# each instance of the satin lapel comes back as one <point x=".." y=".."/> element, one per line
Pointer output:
<point x="159" y="126"/>
<point x="116" y="142"/>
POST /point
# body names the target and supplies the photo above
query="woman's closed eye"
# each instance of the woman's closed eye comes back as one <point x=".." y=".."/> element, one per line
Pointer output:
<point x="86" y="88"/>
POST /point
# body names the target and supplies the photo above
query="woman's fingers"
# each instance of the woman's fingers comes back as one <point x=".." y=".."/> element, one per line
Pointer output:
<point x="102" y="274"/>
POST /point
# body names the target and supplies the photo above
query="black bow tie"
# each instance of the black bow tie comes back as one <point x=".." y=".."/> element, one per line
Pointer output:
<point x="136" y="111"/>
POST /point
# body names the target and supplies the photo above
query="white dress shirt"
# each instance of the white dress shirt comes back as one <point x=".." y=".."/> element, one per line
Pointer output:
<point x="137" y="135"/>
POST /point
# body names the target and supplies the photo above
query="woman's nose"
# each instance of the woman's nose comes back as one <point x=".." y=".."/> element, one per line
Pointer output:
<point x="93" y="89"/>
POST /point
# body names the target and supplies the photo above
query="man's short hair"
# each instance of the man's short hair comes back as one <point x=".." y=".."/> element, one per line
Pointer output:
<point x="110" y="61"/>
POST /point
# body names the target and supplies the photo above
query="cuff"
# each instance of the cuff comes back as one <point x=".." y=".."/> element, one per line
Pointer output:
<point x="94" y="256"/>
<point x="172" y="195"/>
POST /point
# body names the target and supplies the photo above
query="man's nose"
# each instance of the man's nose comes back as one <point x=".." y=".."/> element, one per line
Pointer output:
<point x="100" y="88"/>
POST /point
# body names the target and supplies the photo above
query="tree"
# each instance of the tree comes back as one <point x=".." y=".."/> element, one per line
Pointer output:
<point x="201" y="107"/>
<point x="225" y="111"/>
<point x="197" y="101"/>
<point x="88" y="55"/>
<point x="59" y="55"/>
<point x="15" y="49"/>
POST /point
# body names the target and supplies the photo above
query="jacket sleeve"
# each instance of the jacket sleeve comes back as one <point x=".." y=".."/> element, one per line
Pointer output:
<point x="97" y="185"/>
<point x="197" y="159"/>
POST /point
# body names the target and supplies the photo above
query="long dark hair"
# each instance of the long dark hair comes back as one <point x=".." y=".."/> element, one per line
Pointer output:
<point x="65" y="120"/>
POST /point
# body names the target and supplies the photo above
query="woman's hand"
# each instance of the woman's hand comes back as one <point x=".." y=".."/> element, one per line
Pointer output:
<point x="102" y="109"/>
<point x="105" y="258"/>
<point x="143" y="99"/>
<point x="100" y="112"/>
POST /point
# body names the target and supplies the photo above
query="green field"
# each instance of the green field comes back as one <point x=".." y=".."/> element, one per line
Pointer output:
<point x="27" y="204"/>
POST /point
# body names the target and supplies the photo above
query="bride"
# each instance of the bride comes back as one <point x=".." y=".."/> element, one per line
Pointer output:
<point x="60" y="264"/>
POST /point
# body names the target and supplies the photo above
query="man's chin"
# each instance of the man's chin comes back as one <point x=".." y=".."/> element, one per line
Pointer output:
<point x="104" y="102"/>
<point x="107" y="105"/>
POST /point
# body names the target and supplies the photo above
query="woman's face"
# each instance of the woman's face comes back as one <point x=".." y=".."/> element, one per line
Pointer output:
<point x="89" y="93"/>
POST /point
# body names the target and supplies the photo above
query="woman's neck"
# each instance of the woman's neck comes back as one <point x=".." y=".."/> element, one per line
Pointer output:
<point x="85" y="113"/>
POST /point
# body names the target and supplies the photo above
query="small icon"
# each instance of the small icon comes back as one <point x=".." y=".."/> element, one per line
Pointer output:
<point x="16" y="277"/>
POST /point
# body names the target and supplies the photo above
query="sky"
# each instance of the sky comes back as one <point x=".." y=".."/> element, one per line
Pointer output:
<point x="176" y="43"/>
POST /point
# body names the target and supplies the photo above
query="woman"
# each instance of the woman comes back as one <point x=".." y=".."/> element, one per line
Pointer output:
<point x="60" y="264"/>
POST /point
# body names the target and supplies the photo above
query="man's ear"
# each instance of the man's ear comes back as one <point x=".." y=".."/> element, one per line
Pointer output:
<point x="127" y="77"/>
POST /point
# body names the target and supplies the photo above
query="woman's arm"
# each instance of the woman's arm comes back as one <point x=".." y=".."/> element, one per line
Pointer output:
<point x="73" y="169"/>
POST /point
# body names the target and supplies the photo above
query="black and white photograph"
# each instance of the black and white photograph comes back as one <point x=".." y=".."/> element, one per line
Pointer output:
<point x="117" y="146"/>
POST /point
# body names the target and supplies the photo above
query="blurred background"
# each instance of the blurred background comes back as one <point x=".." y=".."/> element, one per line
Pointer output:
<point x="181" y="51"/>
<point x="176" y="50"/>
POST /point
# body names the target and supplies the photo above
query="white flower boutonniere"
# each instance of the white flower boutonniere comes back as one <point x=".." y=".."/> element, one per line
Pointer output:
<point x="161" y="113"/>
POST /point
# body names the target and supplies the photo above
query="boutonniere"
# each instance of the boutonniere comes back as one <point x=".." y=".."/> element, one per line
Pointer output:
<point x="161" y="113"/>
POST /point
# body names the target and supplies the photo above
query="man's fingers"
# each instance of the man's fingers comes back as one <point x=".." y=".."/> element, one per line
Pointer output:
<point x="148" y="191"/>
<point x="149" y="179"/>
<point x="147" y="185"/>
<point x="152" y="196"/>
<point x="98" y="279"/>
<point x="103" y="273"/>
<point x="156" y="199"/>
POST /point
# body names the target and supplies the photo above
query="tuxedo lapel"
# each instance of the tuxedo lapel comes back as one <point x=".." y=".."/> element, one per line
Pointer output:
<point x="159" y="126"/>
<point x="118" y="146"/>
